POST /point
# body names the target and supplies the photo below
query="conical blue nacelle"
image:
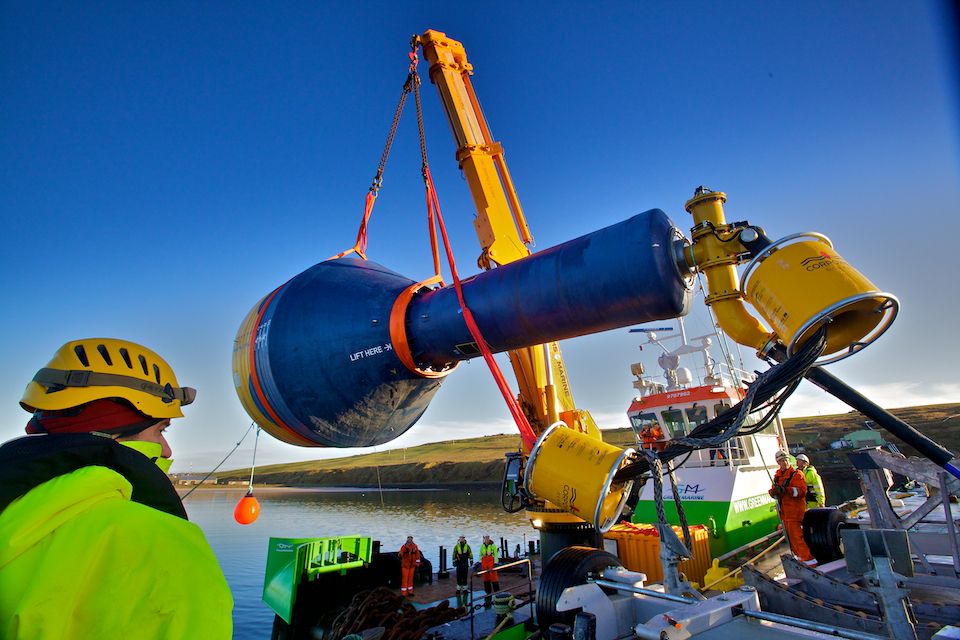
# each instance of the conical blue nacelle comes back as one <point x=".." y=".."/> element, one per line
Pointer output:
<point x="346" y="354"/>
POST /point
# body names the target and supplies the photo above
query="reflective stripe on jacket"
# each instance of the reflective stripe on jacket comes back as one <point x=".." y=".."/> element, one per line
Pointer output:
<point x="462" y="554"/>
<point x="79" y="559"/>
<point x="812" y="478"/>
<point x="409" y="555"/>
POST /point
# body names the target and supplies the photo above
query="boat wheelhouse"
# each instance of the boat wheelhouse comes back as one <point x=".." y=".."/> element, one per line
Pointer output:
<point x="723" y="488"/>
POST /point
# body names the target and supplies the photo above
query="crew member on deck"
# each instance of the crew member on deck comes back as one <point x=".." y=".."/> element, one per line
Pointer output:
<point x="94" y="541"/>
<point x="815" y="495"/>
<point x="790" y="490"/>
<point x="409" y="561"/>
<point x="462" y="559"/>
<point x="489" y="554"/>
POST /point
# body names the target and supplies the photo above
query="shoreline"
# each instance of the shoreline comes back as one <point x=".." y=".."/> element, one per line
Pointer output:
<point x="477" y="463"/>
<point x="276" y="488"/>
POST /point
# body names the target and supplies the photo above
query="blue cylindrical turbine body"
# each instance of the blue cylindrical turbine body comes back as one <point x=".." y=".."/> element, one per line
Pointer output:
<point x="315" y="363"/>
<point x="621" y="275"/>
<point x="325" y="370"/>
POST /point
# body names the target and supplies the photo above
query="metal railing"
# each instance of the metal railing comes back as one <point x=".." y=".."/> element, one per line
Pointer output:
<point x="501" y="567"/>
<point x="832" y="630"/>
<point x="610" y="584"/>
<point x="325" y="555"/>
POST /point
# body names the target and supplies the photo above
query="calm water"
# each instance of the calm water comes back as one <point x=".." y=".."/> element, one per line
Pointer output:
<point x="432" y="517"/>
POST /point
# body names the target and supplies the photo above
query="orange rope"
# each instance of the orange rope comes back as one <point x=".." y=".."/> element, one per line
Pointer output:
<point x="526" y="432"/>
<point x="360" y="248"/>
<point x="434" y="219"/>
<point x="431" y="226"/>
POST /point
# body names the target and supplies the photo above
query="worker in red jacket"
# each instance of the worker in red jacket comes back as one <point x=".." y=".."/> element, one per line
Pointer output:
<point x="409" y="561"/>
<point x="790" y="491"/>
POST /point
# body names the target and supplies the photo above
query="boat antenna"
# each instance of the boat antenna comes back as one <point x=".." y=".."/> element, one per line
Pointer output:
<point x="652" y="335"/>
<point x="723" y="343"/>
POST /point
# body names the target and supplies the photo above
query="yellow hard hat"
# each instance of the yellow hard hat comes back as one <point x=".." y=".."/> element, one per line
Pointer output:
<point x="82" y="371"/>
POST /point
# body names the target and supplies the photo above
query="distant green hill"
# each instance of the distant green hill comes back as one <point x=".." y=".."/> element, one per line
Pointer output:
<point x="480" y="460"/>
<point x="470" y="461"/>
<point x="940" y="422"/>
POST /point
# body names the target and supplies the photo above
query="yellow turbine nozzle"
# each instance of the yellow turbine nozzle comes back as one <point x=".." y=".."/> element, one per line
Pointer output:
<point x="575" y="471"/>
<point x="799" y="283"/>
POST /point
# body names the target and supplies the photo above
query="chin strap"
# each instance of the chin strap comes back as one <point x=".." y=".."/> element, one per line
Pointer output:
<point x="81" y="378"/>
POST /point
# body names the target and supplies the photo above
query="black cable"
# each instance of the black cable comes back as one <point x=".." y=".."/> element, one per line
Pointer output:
<point x="682" y="462"/>
<point x="768" y="392"/>
<point x="214" y="470"/>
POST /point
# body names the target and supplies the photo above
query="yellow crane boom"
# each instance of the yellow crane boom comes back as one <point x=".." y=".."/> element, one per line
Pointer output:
<point x="544" y="390"/>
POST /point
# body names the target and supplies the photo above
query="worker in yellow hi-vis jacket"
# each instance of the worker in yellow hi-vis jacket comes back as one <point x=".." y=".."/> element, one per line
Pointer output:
<point x="489" y="554"/>
<point x="94" y="541"/>
<point x="815" y="496"/>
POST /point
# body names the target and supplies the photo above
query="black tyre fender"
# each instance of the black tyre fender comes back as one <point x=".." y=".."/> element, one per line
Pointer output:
<point x="821" y="532"/>
<point x="386" y="569"/>
<point x="424" y="572"/>
<point x="568" y="567"/>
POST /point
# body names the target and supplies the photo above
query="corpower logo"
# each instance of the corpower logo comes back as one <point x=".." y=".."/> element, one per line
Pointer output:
<point x="819" y="261"/>
<point x="568" y="496"/>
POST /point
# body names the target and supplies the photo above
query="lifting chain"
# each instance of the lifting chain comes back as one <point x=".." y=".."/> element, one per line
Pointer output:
<point x="414" y="43"/>
<point x="412" y="83"/>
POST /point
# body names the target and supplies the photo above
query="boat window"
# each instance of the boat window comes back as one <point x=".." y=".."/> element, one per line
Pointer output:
<point x="720" y="408"/>
<point x="641" y="420"/>
<point x="696" y="416"/>
<point x="676" y="425"/>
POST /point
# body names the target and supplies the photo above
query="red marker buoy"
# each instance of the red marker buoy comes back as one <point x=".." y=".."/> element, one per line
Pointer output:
<point x="247" y="510"/>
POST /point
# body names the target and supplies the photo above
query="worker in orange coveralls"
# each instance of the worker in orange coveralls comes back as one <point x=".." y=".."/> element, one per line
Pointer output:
<point x="409" y="561"/>
<point x="790" y="490"/>
<point x="652" y="437"/>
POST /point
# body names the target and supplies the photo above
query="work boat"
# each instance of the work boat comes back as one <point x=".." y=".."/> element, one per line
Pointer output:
<point x="725" y="488"/>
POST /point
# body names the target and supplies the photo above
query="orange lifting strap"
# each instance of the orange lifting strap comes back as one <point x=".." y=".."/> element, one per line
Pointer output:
<point x="526" y="432"/>
<point x="434" y="219"/>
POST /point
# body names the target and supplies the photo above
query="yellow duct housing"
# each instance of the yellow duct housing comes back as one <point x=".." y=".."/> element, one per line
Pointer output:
<point x="800" y="283"/>
<point x="797" y="284"/>
<point x="575" y="472"/>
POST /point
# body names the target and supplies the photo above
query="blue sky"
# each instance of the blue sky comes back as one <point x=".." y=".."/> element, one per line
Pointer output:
<point x="166" y="165"/>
